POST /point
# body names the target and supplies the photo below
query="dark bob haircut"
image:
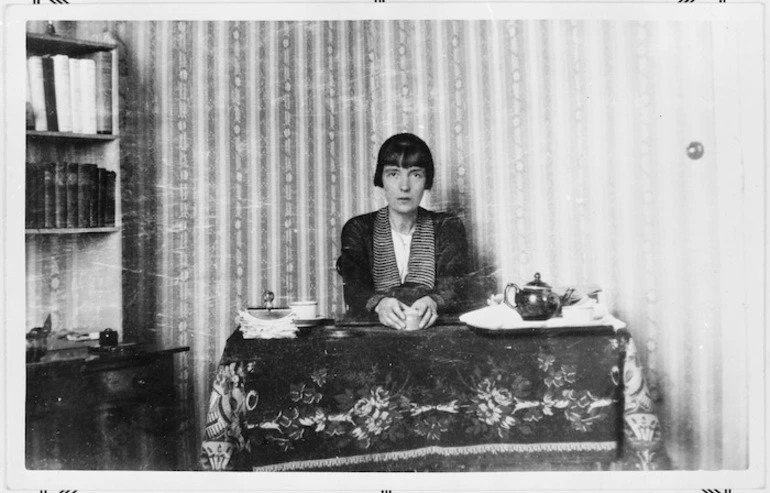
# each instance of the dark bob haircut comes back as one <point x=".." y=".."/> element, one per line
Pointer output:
<point x="405" y="151"/>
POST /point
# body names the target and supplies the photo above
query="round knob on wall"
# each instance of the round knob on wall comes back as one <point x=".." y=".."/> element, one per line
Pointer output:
<point x="695" y="150"/>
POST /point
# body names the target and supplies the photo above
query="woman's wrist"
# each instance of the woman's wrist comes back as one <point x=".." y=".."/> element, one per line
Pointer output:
<point x="436" y="299"/>
<point x="372" y="302"/>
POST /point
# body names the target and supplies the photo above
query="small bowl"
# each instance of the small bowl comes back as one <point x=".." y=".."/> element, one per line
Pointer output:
<point x="305" y="310"/>
<point x="578" y="313"/>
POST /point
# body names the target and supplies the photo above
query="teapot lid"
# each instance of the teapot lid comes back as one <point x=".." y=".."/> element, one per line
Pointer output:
<point x="537" y="282"/>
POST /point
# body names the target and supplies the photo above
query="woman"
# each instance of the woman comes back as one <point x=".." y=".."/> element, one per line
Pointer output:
<point x="403" y="256"/>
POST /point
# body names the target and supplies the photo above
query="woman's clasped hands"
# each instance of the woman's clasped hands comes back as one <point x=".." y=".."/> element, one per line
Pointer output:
<point x="392" y="312"/>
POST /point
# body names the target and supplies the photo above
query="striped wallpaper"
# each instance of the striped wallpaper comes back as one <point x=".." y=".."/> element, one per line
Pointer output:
<point x="561" y="145"/>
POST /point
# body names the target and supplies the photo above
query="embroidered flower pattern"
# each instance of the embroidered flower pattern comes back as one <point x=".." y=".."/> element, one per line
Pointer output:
<point x="432" y="427"/>
<point x="545" y="360"/>
<point x="302" y="394"/>
<point x="496" y="404"/>
<point x="319" y="376"/>
<point x="558" y="378"/>
<point x="491" y="406"/>
<point x="373" y="415"/>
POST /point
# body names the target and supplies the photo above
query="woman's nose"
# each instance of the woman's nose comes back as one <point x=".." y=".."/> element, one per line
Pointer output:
<point x="403" y="183"/>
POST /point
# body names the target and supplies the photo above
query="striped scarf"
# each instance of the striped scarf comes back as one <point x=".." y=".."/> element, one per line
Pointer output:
<point x="422" y="254"/>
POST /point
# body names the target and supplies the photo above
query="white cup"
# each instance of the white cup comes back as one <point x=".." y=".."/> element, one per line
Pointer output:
<point x="412" y="319"/>
<point x="305" y="310"/>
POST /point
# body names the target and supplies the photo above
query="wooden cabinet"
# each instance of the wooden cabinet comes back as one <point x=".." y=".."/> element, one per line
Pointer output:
<point x="115" y="411"/>
<point x="74" y="273"/>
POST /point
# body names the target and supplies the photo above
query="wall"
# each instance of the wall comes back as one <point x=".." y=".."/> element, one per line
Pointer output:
<point x="561" y="144"/>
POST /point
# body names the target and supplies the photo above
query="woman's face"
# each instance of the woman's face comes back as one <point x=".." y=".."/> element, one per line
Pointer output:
<point x="403" y="187"/>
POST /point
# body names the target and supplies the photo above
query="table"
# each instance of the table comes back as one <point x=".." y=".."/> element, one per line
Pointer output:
<point x="114" y="410"/>
<point x="443" y="399"/>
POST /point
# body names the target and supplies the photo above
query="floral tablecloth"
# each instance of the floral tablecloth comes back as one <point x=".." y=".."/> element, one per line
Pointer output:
<point x="441" y="399"/>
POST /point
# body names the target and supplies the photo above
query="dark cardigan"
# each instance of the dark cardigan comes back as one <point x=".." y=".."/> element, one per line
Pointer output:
<point x="356" y="262"/>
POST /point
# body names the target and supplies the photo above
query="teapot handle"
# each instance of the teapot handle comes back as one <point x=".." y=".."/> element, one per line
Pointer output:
<point x="505" y="294"/>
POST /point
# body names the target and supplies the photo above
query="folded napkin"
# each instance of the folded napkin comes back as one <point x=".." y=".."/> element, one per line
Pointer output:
<point x="256" y="328"/>
<point x="499" y="316"/>
<point x="502" y="316"/>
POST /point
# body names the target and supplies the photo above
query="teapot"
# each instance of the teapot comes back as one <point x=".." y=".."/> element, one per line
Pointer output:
<point x="534" y="301"/>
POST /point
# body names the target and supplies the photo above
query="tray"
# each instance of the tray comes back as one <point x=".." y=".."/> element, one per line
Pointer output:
<point x="541" y="328"/>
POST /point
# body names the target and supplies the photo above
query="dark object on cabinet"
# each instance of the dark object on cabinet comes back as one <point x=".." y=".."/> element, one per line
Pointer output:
<point x="113" y="411"/>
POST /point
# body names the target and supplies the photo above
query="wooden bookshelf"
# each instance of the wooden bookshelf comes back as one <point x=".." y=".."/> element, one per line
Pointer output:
<point x="37" y="134"/>
<point x="52" y="44"/>
<point x="70" y="231"/>
<point x="74" y="274"/>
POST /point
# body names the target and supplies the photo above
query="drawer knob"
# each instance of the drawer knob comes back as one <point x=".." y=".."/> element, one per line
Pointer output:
<point x="139" y="382"/>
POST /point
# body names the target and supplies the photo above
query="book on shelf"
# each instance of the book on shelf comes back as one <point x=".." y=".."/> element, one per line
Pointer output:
<point x="29" y="183"/>
<point x="48" y="195"/>
<point x="61" y="76"/>
<point x="109" y="209"/>
<point x="30" y="195"/>
<point x="38" y="201"/>
<point x="101" y="196"/>
<point x="88" y="79"/>
<point x="92" y="174"/>
<point x="84" y="190"/>
<point x="72" y="195"/>
<point x="60" y="195"/>
<point x="76" y="95"/>
<point x="71" y="94"/>
<point x="28" y="107"/>
<point x="37" y="92"/>
<point x="49" y="93"/>
<point x="102" y="66"/>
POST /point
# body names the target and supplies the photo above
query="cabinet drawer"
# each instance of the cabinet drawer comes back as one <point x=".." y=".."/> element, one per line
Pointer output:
<point x="101" y="386"/>
<point x="152" y="381"/>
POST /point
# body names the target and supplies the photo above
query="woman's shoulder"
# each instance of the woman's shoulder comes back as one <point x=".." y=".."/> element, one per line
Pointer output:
<point x="360" y="222"/>
<point x="443" y="218"/>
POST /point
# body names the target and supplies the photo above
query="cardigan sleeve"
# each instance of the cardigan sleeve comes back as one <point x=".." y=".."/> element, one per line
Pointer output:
<point x="354" y="265"/>
<point x="451" y="263"/>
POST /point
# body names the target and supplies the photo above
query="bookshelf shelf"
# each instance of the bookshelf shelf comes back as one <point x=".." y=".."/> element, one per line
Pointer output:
<point x="37" y="134"/>
<point x="70" y="231"/>
<point x="73" y="179"/>
<point x="38" y="44"/>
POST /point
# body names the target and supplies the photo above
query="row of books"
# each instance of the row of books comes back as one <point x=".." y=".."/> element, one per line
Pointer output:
<point x="69" y="195"/>
<point x="70" y="94"/>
